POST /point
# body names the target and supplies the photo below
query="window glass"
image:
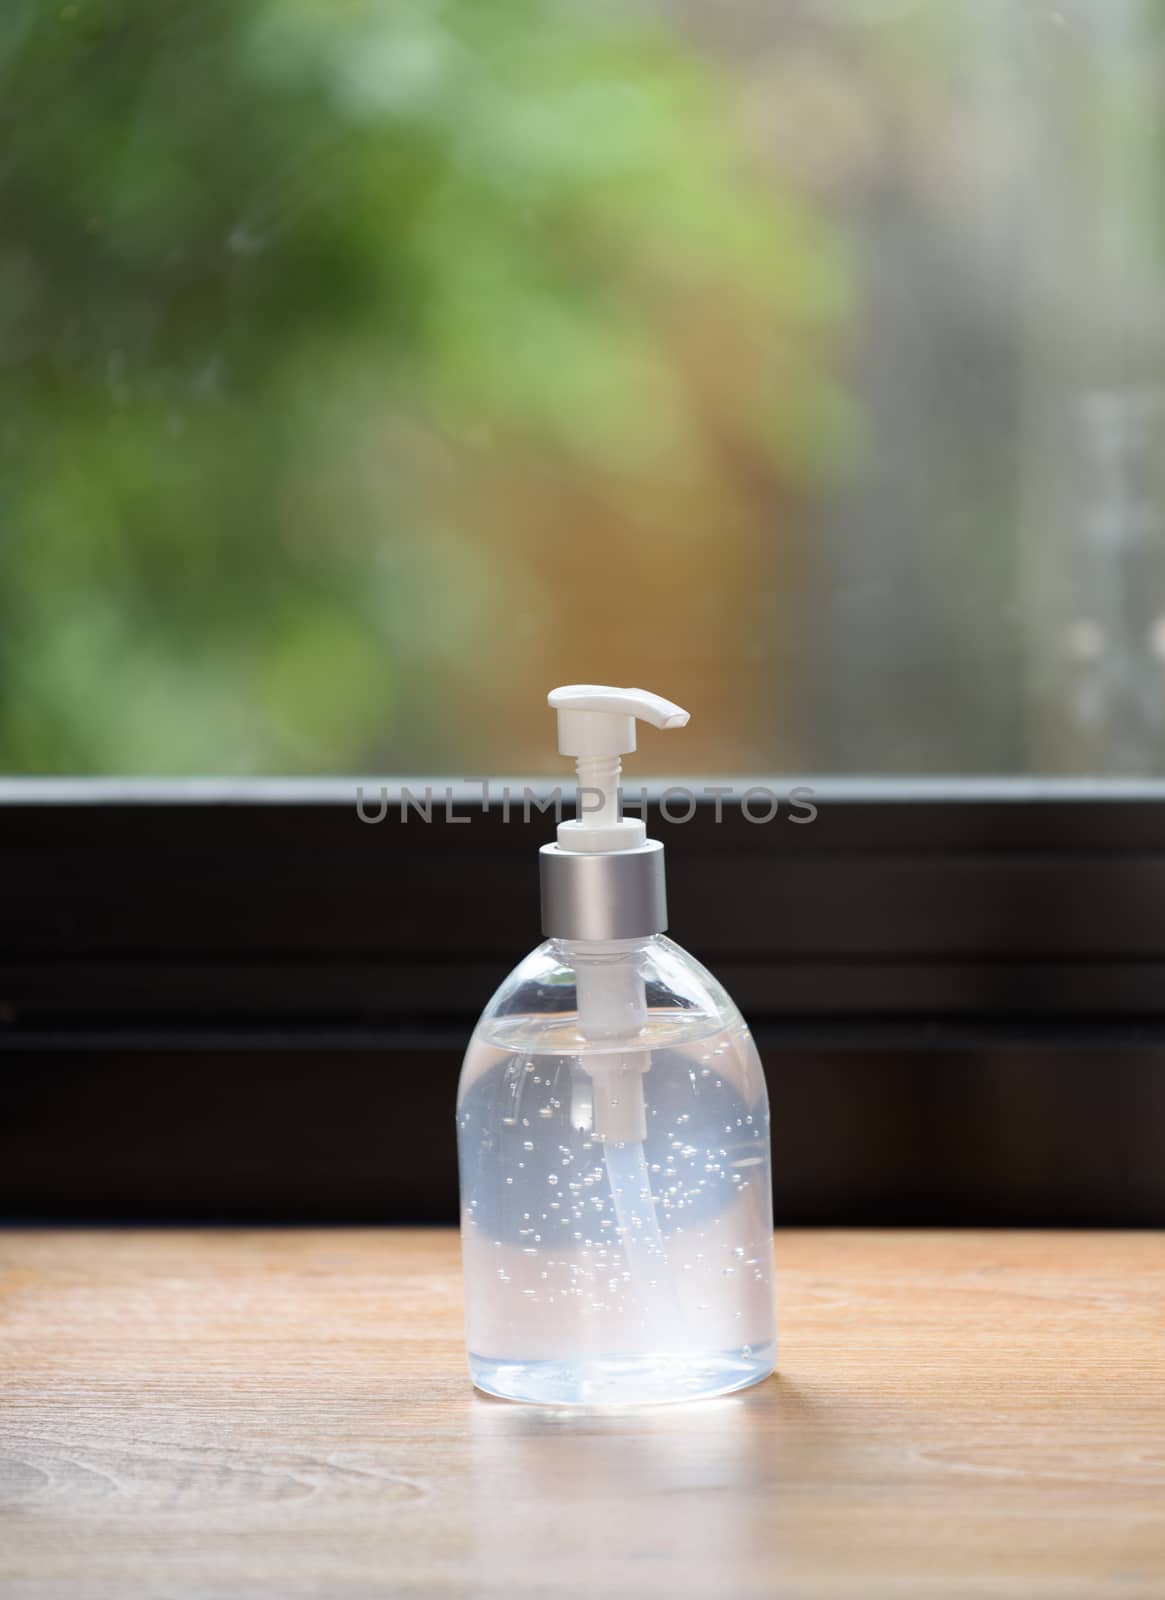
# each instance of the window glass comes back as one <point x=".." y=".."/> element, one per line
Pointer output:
<point x="368" y="368"/>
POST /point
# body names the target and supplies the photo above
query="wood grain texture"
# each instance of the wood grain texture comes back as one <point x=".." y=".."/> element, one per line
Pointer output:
<point x="286" y="1413"/>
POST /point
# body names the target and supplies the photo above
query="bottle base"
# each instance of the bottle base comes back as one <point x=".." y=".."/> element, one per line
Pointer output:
<point x="623" y="1380"/>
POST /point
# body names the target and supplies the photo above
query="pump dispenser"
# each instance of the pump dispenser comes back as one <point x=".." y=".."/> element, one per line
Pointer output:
<point x="612" y="1127"/>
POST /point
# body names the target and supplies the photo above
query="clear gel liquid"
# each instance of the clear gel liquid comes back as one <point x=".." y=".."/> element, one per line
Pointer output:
<point x="612" y="1274"/>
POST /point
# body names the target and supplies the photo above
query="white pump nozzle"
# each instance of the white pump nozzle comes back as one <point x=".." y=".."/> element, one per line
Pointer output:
<point x="596" y="725"/>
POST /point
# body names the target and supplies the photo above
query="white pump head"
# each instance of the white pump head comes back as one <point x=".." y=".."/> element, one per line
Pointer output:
<point x="596" y="725"/>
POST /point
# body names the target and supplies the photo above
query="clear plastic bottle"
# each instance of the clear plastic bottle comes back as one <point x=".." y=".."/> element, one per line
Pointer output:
<point x="615" y="1271"/>
<point x="613" y="1128"/>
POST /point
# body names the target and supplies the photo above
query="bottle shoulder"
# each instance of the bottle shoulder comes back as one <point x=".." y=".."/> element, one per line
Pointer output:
<point x="537" y="1005"/>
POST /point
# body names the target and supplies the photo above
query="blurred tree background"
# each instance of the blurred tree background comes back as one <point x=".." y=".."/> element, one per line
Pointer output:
<point x="368" y="366"/>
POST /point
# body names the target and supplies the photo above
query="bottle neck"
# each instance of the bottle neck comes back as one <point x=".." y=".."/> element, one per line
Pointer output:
<point x="572" y="951"/>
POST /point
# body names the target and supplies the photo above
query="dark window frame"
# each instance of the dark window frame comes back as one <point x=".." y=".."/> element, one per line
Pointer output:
<point x="194" y="973"/>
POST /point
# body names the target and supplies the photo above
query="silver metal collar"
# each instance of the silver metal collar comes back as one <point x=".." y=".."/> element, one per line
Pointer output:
<point x="620" y="894"/>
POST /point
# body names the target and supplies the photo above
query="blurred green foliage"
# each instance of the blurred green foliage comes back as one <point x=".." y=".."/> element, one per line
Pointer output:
<point x="267" y="269"/>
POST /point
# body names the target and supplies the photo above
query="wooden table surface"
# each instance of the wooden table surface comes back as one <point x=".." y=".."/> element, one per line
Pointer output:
<point x="286" y="1413"/>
